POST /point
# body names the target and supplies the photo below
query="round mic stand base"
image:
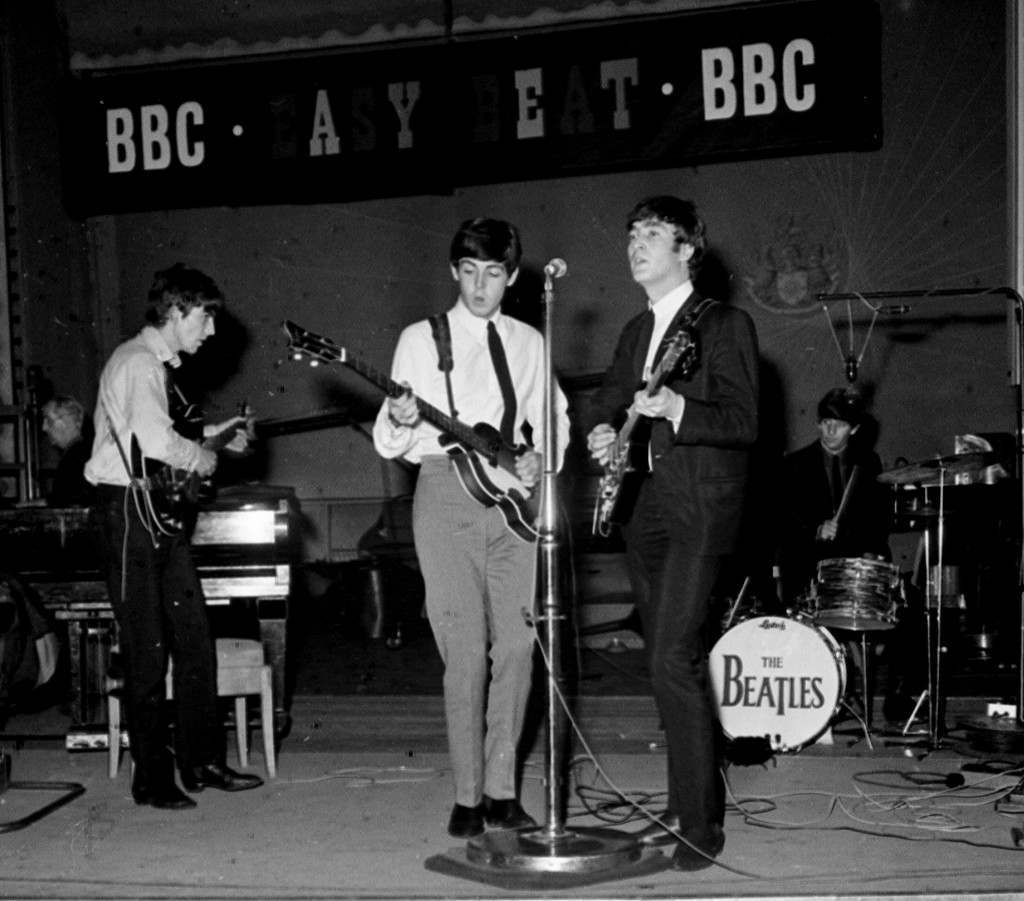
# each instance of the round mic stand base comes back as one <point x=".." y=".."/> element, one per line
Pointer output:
<point x="552" y="855"/>
<point x="533" y="858"/>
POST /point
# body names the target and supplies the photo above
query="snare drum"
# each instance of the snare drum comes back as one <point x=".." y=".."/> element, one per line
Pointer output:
<point x="857" y="593"/>
<point x="779" y="679"/>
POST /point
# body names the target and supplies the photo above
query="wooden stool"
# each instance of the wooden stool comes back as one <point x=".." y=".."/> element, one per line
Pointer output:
<point x="241" y="671"/>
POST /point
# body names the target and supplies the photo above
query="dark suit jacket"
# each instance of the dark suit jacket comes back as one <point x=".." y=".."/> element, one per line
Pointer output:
<point x="700" y="471"/>
<point x="806" y="502"/>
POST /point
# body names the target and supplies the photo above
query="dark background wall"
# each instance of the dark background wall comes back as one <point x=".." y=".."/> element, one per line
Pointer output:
<point x="927" y="210"/>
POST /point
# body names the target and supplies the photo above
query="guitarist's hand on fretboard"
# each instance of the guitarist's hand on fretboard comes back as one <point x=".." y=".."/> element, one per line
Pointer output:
<point x="233" y="435"/>
<point x="403" y="410"/>
<point x="663" y="404"/>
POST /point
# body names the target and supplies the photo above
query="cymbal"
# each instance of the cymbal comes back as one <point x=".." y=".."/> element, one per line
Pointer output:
<point x="930" y="470"/>
<point x="926" y="511"/>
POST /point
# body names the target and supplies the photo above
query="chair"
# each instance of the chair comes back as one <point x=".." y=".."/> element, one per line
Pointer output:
<point x="241" y="671"/>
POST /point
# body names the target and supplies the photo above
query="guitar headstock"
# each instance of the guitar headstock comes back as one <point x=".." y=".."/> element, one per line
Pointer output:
<point x="306" y="344"/>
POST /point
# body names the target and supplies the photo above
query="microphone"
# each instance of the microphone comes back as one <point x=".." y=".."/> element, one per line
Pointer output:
<point x="556" y="268"/>
<point x="895" y="310"/>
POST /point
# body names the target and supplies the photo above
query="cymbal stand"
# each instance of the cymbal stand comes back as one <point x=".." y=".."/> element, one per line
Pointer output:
<point x="933" y="609"/>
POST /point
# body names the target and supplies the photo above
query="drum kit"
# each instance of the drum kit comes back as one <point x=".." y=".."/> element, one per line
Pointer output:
<point x="783" y="679"/>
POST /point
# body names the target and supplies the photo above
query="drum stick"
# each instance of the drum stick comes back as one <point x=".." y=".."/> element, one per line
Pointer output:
<point x="736" y="603"/>
<point x="846" y="494"/>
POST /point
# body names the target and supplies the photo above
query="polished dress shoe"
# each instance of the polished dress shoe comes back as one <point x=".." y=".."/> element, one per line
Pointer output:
<point x="216" y="775"/>
<point x="465" y="822"/>
<point x="506" y="813"/>
<point x="693" y="856"/>
<point x="660" y="833"/>
<point x="167" y="798"/>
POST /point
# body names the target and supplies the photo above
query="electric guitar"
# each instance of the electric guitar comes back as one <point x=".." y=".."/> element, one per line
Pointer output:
<point x="484" y="463"/>
<point x="171" y="496"/>
<point x="623" y="472"/>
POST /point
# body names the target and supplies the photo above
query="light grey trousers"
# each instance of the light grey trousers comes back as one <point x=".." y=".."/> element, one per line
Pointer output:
<point x="479" y="578"/>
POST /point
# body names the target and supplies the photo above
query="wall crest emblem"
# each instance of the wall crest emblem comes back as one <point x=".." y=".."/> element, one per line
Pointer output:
<point x="798" y="260"/>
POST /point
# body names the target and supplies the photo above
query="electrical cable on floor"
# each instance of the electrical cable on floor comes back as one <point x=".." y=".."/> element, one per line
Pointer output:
<point x="931" y="822"/>
<point x="368" y="777"/>
<point x="588" y="752"/>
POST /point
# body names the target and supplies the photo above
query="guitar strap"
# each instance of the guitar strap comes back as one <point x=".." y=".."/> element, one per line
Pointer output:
<point x="138" y="487"/>
<point x="687" y="321"/>
<point x="443" y="339"/>
<point x="696" y="313"/>
<point x="138" y="469"/>
<point x="135" y="479"/>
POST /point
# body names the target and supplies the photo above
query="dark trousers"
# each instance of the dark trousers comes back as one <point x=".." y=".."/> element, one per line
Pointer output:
<point x="673" y="580"/>
<point x="161" y="614"/>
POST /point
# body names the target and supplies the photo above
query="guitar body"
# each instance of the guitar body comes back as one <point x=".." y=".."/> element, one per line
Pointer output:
<point x="619" y="486"/>
<point x="172" y="496"/>
<point x="493" y="485"/>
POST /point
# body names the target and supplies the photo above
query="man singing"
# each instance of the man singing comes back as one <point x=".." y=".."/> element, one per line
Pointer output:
<point x="684" y="524"/>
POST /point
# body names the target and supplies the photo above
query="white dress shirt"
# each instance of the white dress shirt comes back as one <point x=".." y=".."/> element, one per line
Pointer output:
<point x="665" y="310"/>
<point x="133" y="397"/>
<point x="474" y="384"/>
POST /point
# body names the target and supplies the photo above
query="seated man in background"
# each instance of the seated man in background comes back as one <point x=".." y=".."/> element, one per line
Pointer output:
<point x="834" y="508"/>
<point x="832" y="502"/>
<point x="67" y="428"/>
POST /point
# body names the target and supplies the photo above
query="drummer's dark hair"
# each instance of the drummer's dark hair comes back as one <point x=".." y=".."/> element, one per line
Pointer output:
<point x="842" y="403"/>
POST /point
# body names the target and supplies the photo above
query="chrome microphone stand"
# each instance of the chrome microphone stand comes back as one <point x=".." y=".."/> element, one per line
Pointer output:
<point x="553" y="851"/>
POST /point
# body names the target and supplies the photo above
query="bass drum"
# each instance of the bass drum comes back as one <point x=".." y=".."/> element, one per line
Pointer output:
<point x="778" y="679"/>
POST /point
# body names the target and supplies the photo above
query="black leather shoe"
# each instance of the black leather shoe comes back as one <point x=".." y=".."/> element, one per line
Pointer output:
<point x="506" y="813"/>
<point x="216" y="775"/>
<point x="169" y="798"/>
<point x="465" y="822"/>
<point x="656" y="835"/>
<point x="701" y="855"/>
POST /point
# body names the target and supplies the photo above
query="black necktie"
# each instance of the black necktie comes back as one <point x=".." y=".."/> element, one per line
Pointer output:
<point x="836" y="476"/>
<point x="508" y="394"/>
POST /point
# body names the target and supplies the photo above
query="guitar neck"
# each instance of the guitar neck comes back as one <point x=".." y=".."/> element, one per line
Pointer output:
<point x="653" y="386"/>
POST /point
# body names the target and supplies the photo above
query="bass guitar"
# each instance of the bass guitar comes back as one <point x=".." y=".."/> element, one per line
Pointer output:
<point x="622" y="472"/>
<point x="484" y="463"/>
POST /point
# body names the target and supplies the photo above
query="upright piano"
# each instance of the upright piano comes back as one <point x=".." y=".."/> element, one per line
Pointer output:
<point x="245" y="548"/>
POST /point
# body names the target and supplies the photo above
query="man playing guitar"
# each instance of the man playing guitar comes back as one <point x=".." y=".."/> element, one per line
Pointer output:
<point x="479" y="574"/>
<point x="151" y="577"/>
<point x="684" y="523"/>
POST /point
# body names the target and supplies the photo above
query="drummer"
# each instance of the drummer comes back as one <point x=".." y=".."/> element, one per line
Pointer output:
<point x="832" y="502"/>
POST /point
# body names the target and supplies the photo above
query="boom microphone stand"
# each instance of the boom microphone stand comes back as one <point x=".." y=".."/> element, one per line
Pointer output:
<point x="552" y="852"/>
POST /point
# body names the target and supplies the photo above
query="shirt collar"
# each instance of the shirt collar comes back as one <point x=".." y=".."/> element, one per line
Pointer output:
<point x="665" y="308"/>
<point x="152" y="338"/>
<point x="475" y="325"/>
